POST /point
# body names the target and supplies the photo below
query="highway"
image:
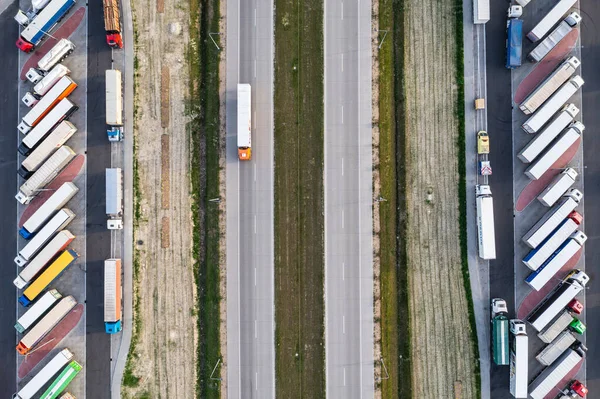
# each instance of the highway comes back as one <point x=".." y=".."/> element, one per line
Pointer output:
<point x="250" y="273"/>
<point x="98" y="244"/>
<point x="9" y="31"/>
<point x="590" y="64"/>
<point x="348" y="200"/>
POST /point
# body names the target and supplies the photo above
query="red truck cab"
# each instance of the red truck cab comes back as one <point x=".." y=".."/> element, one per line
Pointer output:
<point x="24" y="46"/>
<point x="114" y="40"/>
<point x="576" y="306"/>
<point x="578" y="388"/>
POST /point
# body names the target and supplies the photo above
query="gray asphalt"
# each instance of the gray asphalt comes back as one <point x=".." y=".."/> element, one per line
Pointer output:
<point x="348" y="200"/>
<point x="98" y="242"/>
<point x="590" y="59"/>
<point x="9" y="32"/>
<point x="250" y="284"/>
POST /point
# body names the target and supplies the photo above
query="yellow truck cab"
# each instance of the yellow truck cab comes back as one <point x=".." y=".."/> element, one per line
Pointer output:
<point x="483" y="142"/>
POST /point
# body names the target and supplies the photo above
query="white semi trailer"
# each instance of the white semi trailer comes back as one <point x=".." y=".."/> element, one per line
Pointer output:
<point x="485" y="222"/>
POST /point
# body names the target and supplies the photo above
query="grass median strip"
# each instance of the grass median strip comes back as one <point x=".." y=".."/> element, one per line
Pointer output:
<point x="299" y="251"/>
<point x="203" y="58"/>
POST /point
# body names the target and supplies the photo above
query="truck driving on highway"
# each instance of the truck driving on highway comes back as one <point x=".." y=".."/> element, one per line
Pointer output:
<point x="244" y="122"/>
<point x="58" y="222"/>
<point x="536" y="257"/>
<point x="112" y="23"/>
<point x="545" y="137"/>
<point x="550" y="19"/>
<point x="556" y="261"/>
<point x="519" y="359"/>
<point x="56" y="54"/>
<point x="46" y="373"/>
<point x="45" y="174"/>
<point x="551" y="219"/>
<point x="499" y="332"/>
<point x="545" y="89"/>
<point x="49" y="145"/>
<point x="557" y="300"/>
<point x="114" y="104"/>
<point x="112" y="296"/>
<point x="62" y="111"/>
<point x="114" y="198"/>
<point x="485" y="222"/>
<point x="551" y="376"/>
<point x="558" y="187"/>
<point x="514" y="41"/>
<point x="556" y="150"/>
<point x="62" y="89"/>
<point x="48" y="209"/>
<point x="56" y="245"/>
<point x="48" y="322"/>
<point x="42" y="24"/>
<point x="550" y="107"/>
<point x="555" y="37"/>
<point x="563" y="321"/>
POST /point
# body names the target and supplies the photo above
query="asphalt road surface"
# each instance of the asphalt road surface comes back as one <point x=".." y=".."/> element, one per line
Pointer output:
<point x="348" y="200"/>
<point x="250" y="284"/>
<point x="501" y="155"/>
<point x="9" y="31"/>
<point x="590" y="65"/>
<point x="98" y="237"/>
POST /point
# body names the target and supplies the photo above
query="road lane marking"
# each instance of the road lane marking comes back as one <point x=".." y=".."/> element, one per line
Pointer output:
<point x="256" y="387"/>
<point x="342" y="218"/>
<point x="342" y="62"/>
<point x="255" y="328"/>
<point x="342" y="13"/>
<point x="344" y="376"/>
<point x="342" y="114"/>
<point x="255" y="17"/>
<point x="344" y="326"/>
<point x="255" y="278"/>
<point x="343" y="270"/>
<point x="255" y="224"/>
<point x="255" y="67"/>
<point x="342" y="166"/>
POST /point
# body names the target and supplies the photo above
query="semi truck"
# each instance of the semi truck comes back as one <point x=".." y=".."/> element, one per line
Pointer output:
<point x="45" y="174"/>
<point x="36" y="7"/>
<point x="562" y="30"/>
<point x="546" y="136"/>
<point x="556" y="150"/>
<point x="485" y="222"/>
<point x="48" y="81"/>
<point x="54" y="225"/>
<point x="112" y="296"/>
<point x="49" y="145"/>
<point x="551" y="376"/>
<point x="514" y="41"/>
<point x="549" y="85"/>
<point x="552" y="351"/>
<point x="61" y="89"/>
<point x="552" y="218"/>
<point x="62" y="381"/>
<point x="536" y="257"/>
<point x="48" y="322"/>
<point x="114" y="104"/>
<point x="114" y="198"/>
<point x="30" y="389"/>
<point x="56" y="245"/>
<point x="62" y="111"/>
<point x="112" y="23"/>
<point x="481" y="11"/>
<point x="59" y="52"/>
<point x="244" y="122"/>
<point x="37" y="310"/>
<point x="42" y="24"/>
<point x="550" y="107"/>
<point x="559" y="185"/>
<point x="563" y="321"/>
<point x="557" y="300"/>
<point x="543" y="27"/>
<point x="500" y="332"/>
<point x="556" y="261"/>
<point x="48" y="209"/>
<point x="519" y="359"/>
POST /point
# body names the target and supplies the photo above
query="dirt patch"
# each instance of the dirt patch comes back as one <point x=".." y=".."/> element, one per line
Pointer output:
<point x="165" y="355"/>
<point x="165" y="100"/>
<point x="442" y="341"/>
<point x="165" y="171"/>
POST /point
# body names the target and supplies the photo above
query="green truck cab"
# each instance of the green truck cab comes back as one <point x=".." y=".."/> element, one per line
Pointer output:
<point x="500" y="351"/>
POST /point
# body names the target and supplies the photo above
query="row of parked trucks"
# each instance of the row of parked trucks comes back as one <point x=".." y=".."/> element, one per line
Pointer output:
<point x="46" y="253"/>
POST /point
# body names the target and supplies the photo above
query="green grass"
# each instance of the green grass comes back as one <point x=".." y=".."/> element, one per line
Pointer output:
<point x="462" y="188"/>
<point x="299" y="251"/>
<point x="203" y="107"/>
